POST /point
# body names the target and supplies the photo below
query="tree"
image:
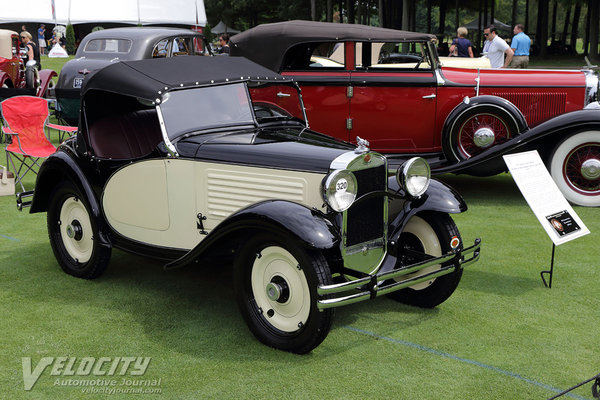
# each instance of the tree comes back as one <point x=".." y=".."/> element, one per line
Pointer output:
<point x="594" y="14"/>
<point x="70" y="46"/>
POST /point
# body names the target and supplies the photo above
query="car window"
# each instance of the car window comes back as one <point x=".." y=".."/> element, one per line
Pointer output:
<point x="315" y="56"/>
<point x="394" y="56"/>
<point x="108" y="46"/>
<point x="274" y="101"/>
<point x="182" y="47"/>
<point x="190" y="110"/>
<point x="161" y="49"/>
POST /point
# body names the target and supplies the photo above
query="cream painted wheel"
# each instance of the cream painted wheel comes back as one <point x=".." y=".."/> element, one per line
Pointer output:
<point x="575" y="167"/>
<point x="74" y="234"/>
<point x="276" y="284"/>
<point x="435" y="234"/>
<point x="76" y="230"/>
<point x="280" y="289"/>
<point x="429" y="242"/>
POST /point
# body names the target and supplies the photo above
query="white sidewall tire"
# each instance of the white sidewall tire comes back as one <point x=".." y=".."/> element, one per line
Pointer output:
<point x="431" y="245"/>
<point x="557" y="161"/>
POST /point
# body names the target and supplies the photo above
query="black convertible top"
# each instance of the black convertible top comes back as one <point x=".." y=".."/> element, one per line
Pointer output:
<point x="150" y="79"/>
<point x="267" y="44"/>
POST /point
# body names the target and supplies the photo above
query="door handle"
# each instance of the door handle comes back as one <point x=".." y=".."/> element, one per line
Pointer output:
<point x="430" y="96"/>
<point x="280" y="94"/>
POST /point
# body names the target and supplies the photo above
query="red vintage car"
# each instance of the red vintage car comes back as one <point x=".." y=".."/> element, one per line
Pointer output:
<point x="391" y="88"/>
<point x="15" y="77"/>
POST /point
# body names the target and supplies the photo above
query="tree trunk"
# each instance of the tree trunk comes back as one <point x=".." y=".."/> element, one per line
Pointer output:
<point x="526" y="15"/>
<point x="515" y="7"/>
<point x="594" y="15"/>
<point x="381" y="16"/>
<point x="586" y="41"/>
<point x="575" y="27"/>
<point x="350" y="7"/>
<point x="493" y="12"/>
<point x="480" y="26"/>
<point x="429" y="5"/>
<point x="563" y="38"/>
<point x="442" y="17"/>
<point x="341" y="8"/>
<point x="405" y="15"/>
<point x="485" y="14"/>
<point x="541" y="36"/>
<point x="554" y="11"/>
<point x="313" y="10"/>
<point x="456" y="16"/>
<point x="329" y="11"/>
<point x="359" y="12"/>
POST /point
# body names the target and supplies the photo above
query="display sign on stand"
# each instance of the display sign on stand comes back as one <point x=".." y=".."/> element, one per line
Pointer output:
<point x="548" y="204"/>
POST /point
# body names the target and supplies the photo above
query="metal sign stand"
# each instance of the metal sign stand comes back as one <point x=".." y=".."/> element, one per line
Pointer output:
<point x="549" y="284"/>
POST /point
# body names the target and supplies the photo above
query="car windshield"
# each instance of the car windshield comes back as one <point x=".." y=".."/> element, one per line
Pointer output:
<point x="193" y="110"/>
<point x="275" y="101"/>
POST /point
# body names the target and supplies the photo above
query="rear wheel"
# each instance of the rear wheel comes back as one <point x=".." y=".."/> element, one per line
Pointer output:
<point x="276" y="289"/>
<point x="73" y="234"/>
<point x="575" y="167"/>
<point x="433" y="234"/>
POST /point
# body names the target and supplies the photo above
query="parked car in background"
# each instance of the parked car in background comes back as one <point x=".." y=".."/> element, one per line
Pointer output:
<point x="103" y="47"/>
<point x="15" y="77"/>
<point x="389" y="87"/>
<point x="211" y="156"/>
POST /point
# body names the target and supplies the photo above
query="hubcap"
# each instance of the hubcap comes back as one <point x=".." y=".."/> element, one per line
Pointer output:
<point x="76" y="235"/>
<point x="280" y="289"/>
<point x="484" y="138"/>
<point x="590" y="169"/>
<point x="581" y="169"/>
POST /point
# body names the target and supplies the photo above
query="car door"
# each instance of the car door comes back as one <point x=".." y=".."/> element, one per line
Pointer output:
<point x="322" y="72"/>
<point x="393" y="99"/>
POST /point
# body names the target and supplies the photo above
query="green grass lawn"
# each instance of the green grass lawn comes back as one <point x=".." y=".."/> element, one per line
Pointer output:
<point x="502" y="335"/>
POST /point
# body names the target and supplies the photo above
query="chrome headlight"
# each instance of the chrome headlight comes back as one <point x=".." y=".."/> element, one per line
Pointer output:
<point x="413" y="176"/>
<point x="339" y="189"/>
<point x="591" y="87"/>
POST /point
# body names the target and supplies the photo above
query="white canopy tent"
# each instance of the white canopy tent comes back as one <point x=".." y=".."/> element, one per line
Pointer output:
<point x="143" y="12"/>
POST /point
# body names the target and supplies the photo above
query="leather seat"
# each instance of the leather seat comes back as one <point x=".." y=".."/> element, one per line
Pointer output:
<point x="125" y="136"/>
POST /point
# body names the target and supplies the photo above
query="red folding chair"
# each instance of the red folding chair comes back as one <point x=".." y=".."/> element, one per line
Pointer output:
<point x="24" y="120"/>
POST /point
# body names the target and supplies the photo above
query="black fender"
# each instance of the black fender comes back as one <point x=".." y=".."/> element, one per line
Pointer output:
<point x="543" y="138"/>
<point x="309" y="227"/>
<point x="517" y="120"/>
<point x="439" y="197"/>
<point x="56" y="168"/>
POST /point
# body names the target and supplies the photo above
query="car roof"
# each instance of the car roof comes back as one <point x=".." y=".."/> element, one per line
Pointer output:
<point x="268" y="43"/>
<point x="141" y="37"/>
<point x="149" y="79"/>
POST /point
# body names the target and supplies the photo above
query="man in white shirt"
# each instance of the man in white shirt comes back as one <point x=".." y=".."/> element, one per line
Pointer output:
<point x="495" y="47"/>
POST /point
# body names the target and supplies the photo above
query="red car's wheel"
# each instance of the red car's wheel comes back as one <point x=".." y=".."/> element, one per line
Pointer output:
<point x="479" y="128"/>
<point x="575" y="167"/>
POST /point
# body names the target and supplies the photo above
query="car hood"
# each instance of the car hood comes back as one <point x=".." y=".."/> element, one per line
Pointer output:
<point x="292" y="148"/>
<point x="515" y="77"/>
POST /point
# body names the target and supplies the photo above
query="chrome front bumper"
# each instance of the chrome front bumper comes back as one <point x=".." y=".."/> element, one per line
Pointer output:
<point x="369" y="288"/>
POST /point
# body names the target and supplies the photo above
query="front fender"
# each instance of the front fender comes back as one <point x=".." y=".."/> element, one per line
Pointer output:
<point x="439" y="197"/>
<point x="45" y="76"/>
<point x="308" y="227"/>
<point x="543" y="137"/>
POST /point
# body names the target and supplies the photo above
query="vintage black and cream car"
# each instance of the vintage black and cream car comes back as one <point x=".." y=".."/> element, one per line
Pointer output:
<point x="186" y="157"/>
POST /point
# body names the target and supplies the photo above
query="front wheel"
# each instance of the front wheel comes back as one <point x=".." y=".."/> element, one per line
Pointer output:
<point x="73" y="234"/>
<point x="276" y="288"/>
<point x="434" y="234"/>
<point x="575" y="167"/>
<point x="30" y="78"/>
<point x="477" y="129"/>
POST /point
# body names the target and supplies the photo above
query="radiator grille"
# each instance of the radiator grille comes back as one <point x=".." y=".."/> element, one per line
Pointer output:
<point x="365" y="220"/>
<point x="537" y="107"/>
<point x="229" y="192"/>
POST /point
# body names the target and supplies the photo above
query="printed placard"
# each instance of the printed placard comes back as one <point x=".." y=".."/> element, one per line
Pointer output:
<point x="554" y="212"/>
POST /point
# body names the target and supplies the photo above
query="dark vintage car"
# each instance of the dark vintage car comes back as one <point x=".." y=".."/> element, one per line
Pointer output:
<point x="103" y="47"/>
<point x="15" y="77"/>
<point x="188" y="157"/>
<point x="390" y="88"/>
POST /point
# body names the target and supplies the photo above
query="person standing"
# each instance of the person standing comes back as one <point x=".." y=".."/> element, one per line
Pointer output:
<point x="461" y="46"/>
<point x="32" y="53"/>
<point x="42" y="38"/>
<point x="495" y="48"/>
<point x="520" y="44"/>
<point x="224" y="42"/>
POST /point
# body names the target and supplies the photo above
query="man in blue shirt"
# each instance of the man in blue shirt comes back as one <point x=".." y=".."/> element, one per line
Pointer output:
<point x="520" y="44"/>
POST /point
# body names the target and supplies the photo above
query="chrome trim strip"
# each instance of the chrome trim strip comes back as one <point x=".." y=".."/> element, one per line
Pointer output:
<point x="172" y="150"/>
<point x="369" y="288"/>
